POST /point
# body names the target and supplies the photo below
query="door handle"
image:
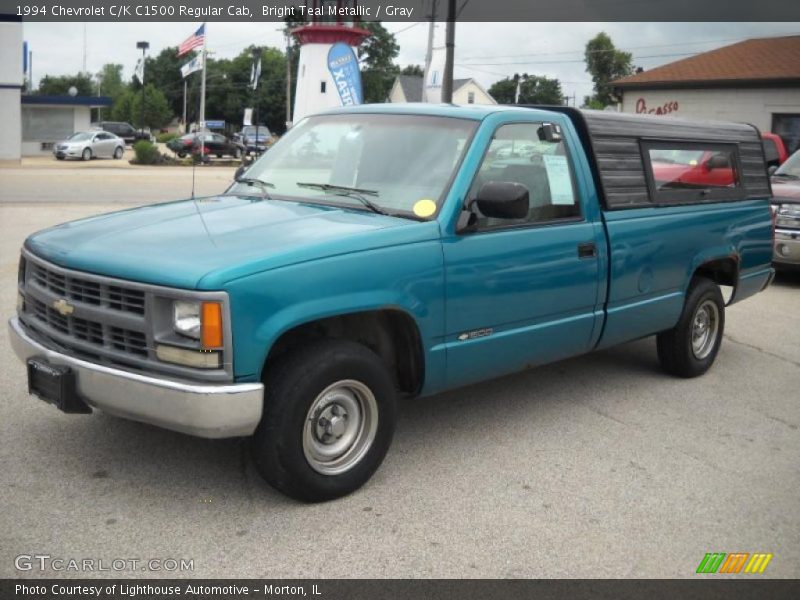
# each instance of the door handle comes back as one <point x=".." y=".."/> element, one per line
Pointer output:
<point x="587" y="250"/>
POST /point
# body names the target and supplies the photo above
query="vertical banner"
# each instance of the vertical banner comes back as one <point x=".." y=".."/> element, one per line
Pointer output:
<point x="343" y="65"/>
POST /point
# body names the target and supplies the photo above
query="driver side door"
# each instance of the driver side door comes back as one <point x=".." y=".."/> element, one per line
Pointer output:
<point x="525" y="291"/>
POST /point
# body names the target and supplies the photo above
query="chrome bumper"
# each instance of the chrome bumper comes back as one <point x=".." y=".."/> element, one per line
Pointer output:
<point x="210" y="411"/>
<point x="787" y="247"/>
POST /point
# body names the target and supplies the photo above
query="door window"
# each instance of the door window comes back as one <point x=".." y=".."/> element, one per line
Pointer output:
<point x="519" y="153"/>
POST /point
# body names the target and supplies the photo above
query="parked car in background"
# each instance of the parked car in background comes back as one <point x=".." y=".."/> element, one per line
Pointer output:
<point x="774" y="149"/>
<point x="126" y="131"/>
<point x="213" y="144"/>
<point x="90" y="144"/>
<point x="255" y="139"/>
<point x="786" y="207"/>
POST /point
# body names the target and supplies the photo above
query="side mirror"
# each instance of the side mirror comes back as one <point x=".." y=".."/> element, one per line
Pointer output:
<point x="503" y="200"/>
<point x="772" y="169"/>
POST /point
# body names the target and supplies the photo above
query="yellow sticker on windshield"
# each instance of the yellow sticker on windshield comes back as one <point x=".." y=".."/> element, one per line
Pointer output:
<point x="424" y="207"/>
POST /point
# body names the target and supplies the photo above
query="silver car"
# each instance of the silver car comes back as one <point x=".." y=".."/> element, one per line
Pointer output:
<point x="90" y="144"/>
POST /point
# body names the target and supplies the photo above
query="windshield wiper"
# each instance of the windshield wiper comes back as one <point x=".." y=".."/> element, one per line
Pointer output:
<point x="351" y="192"/>
<point x="786" y="175"/>
<point x="259" y="183"/>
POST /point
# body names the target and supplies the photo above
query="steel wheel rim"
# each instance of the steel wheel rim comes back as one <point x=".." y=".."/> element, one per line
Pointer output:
<point x="705" y="328"/>
<point x="340" y="427"/>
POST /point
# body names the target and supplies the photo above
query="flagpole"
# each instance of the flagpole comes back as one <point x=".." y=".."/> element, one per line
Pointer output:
<point x="184" y="106"/>
<point x="203" y="97"/>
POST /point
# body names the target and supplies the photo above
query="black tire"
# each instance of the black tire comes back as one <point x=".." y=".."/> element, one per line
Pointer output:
<point x="86" y="154"/>
<point x="181" y="154"/>
<point x="295" y="385"/>
<point x="676" y="351"/>
<point x="118" y="152"/>
<point x="218" y="155"/>
<point x="59" y="158"/>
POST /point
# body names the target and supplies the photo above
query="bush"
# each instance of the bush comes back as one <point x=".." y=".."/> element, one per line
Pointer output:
<point x="146" y="153"/>
<point x="163" y="138"/>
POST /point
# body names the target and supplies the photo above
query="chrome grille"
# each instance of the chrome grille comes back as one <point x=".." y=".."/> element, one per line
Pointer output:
<point x="104" y="320"/>
<point x="91" y="292"/>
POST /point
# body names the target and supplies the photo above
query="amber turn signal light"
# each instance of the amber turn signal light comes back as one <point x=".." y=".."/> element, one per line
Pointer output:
<point x="211" y="325"/>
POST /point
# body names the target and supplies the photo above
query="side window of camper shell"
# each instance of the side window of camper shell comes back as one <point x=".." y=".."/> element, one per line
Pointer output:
<point x="692" y="172"/>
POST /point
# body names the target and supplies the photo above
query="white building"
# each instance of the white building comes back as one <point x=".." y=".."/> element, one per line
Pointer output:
<point x="11" y="83"/>
<point x="50" y="119"/>
<point x="315" y="89"/>
<point x="756" y="81"/>
<point x="408" y="88"/>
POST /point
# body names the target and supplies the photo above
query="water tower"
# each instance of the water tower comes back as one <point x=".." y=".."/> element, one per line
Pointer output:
<point x="329" y="22"/>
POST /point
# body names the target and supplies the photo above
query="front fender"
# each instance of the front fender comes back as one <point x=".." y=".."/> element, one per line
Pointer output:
<point x="407" y="277"/>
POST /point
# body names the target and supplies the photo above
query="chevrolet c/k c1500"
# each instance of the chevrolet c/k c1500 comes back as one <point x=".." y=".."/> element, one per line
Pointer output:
<point x="382" y="251"/>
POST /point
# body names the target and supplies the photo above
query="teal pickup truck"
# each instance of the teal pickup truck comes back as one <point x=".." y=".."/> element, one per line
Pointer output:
<point x="386" y="251"/>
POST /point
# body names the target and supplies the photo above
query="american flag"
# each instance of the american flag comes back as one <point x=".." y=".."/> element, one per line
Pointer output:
<point x="193" y="41"/>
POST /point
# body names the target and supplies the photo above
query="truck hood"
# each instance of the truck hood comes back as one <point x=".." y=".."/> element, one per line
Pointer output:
<point x="203" y="243"/>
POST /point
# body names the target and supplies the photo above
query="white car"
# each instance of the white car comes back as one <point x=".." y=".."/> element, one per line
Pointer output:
<point x="90" y="144"/>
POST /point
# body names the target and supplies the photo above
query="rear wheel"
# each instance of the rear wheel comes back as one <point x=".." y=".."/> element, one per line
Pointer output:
<point x="118" y="152"/>
<point x="329" y="416"/>
<point x="690" y="348"/>
<point x="87" y="154"/>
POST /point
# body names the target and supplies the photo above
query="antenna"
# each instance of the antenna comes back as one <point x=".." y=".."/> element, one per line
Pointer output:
<point x="194" y="166"/>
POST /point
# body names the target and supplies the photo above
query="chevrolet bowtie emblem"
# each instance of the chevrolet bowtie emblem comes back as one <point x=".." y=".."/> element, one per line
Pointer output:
<point x="63" y="307"/>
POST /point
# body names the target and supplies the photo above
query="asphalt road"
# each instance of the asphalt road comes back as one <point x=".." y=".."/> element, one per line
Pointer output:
<point x="599" y="466"/>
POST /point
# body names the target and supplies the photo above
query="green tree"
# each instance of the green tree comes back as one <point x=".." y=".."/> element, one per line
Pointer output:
<point x="164" y="72"/>
<point x="414" y="70"/>
<point x="377" y="55"/>
<point x="157" y="112"/>
<point x="536" y="89"/>
<point x="503" y="91"/>
<point x="605" y="64"/>
<point x="109" y="81"/>
<point x="59" y="86"/>
<point x="533" y="89"/>
<point x="121" y="110"/>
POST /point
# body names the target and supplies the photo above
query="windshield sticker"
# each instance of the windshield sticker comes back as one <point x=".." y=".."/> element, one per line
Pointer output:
<point x="559" y="178"/>
<point x="424" y="207"/>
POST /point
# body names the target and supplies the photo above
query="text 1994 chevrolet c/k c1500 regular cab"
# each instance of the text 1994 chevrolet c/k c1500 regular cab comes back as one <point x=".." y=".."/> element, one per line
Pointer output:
<point x="380" y="251"/>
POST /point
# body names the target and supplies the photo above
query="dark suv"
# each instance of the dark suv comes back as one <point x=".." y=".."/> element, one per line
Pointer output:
<point x="124" y="130"/>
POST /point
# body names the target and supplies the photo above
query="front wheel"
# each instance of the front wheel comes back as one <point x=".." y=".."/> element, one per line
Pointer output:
<point x="329" y="417"/>
<point x="87" y="154"/>
<point x="118" y="152"/>
<point x="689" y="348"/>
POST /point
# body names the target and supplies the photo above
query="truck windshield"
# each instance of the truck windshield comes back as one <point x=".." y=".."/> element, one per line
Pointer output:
<point x="401" y="159"/>
<point x="791" y="168"/>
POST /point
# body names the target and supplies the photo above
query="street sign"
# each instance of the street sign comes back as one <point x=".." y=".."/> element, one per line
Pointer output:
<point x="215" y="124"/>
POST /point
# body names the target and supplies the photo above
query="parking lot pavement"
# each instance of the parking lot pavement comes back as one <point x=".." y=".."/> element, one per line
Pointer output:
<point x="599" y="466"/>
<point x="106" y="181"/>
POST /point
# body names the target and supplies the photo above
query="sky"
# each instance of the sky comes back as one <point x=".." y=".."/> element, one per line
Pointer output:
<point x="486" y="51"/>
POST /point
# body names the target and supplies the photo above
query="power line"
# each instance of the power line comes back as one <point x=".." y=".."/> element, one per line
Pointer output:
<point x="567" y="61"/>
<point x="649" y="46"/>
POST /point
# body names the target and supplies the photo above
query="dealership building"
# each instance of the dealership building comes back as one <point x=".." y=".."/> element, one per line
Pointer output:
<point x="756" y="81"/>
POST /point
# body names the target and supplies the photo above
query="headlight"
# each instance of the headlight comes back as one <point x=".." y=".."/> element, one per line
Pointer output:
<point x="186" y="318"/>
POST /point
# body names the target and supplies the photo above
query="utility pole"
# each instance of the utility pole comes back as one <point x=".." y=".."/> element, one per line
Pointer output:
<point x="429" y="52"/>
<point x="84" y="48"/>
<point x="143" y="46"/>
<point x="288" y="79"/>
<point x="203" y="101"/>
<point x="254" y="84"/>
<point x="450" y="46"/>
<point x="185" y="127"/>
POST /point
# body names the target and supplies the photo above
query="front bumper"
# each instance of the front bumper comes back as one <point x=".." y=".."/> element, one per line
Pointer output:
<point x="204" y="410"/>
<point x="787" y="247"/>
